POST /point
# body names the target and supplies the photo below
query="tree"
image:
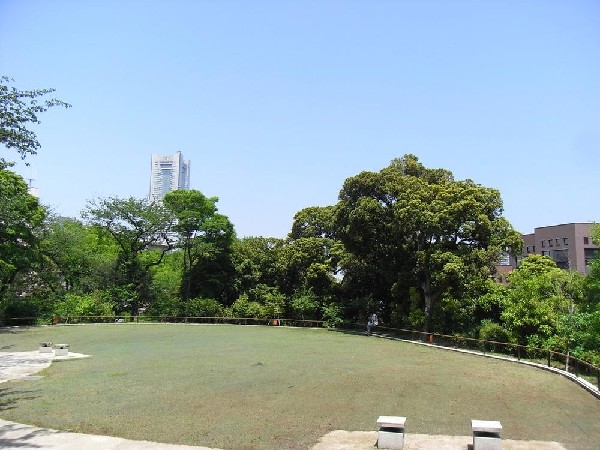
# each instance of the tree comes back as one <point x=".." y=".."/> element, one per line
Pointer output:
<point x="313" y="222"/>
<point x="539" y="296"/>
<point x="18" y="110"/>
<point x="21" y="217"/>
<point x="415" y="226"/>
<point x="205" y="238"/>
<point x="142" y="230"/>
<point x="255" y="261"/>
<point x="213" y="274"/>
<point x="80" y="257"/>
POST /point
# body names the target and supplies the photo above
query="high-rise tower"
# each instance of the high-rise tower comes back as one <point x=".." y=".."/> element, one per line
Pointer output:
<point x="169" y="173"/>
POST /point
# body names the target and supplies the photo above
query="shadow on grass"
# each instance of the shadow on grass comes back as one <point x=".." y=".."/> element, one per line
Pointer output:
<point x="10" y="397"/>
<point x="14" y="435"/>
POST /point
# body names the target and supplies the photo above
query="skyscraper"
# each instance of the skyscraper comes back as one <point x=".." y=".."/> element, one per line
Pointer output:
<point x="169" y="173"/>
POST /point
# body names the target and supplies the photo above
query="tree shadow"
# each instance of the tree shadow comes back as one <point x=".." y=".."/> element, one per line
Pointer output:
<point x="14" y="435"/>
<point x="9" y="398"/>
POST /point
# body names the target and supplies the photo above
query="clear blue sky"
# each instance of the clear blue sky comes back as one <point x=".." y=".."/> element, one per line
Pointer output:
<point x="277" y="102"/>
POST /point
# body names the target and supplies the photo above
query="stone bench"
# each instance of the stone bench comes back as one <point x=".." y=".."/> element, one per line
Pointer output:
<point x="486" y="434"/>
<point x="391" y="432"/>
<point x="46" y="347"/>
<point x="61" y="349"/>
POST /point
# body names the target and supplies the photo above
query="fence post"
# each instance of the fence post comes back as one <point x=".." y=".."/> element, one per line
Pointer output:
<point x="548" y="358"/>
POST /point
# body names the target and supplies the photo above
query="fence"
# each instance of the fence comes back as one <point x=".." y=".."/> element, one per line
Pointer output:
<point x="551" y="358"/>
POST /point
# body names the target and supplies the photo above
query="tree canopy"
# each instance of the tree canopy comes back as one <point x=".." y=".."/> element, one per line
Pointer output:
<point x="18" y="111"/>
<point x="21" y="216"/>
<point x="418" y="227"/>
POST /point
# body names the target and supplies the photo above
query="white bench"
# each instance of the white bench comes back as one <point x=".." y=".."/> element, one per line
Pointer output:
<point x="391" y="432"/>
<point x="61" y="349"/>
<point x="486" y="434"/>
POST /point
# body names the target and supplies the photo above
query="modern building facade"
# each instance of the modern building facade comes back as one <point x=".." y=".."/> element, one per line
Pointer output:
<point x="168" y="173"/>
<point x="569" y="245"/>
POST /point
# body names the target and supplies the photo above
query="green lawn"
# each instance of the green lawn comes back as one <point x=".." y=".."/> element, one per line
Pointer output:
<point x="247" y="387"/>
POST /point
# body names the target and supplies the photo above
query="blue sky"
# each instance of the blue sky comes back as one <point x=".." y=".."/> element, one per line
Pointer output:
<point x="276" y="103"/>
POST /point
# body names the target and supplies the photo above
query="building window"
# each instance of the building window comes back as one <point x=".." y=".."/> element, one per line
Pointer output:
<point x="543" y="243"/>
<point x="550" y="243"/>
<point x="545" y="253"/>
<point x="534" y="249"/>
<point x="566" y="241"/>
<point x="528" y="249"/>
<point x="557" y="242"/>
<point x="586" y="240"/>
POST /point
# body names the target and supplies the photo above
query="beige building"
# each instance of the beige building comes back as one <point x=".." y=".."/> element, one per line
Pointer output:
<point x="569" y="245"/>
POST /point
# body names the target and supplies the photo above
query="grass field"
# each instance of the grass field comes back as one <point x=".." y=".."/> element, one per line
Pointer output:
<point x="246" y="387"/>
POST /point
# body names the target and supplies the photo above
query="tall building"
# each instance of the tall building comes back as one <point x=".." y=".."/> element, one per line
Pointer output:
<point x="169" y="173"/>
<point x="569" y="245"/>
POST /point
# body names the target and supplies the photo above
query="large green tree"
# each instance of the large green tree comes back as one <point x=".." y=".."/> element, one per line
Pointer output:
<point x="539" y="301"/>
<point x="79" y="257"/>
<point x="21" y="218"/>
<point x="19" y="110"/>
<point x="143" y="232"/>
<point x="205" y="237"/>
<point x="419" y="227"/>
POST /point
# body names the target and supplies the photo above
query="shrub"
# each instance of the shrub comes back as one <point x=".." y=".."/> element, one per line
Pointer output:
<point x="332" y="315"/>
<point x="491" y="331"/>
<point x="94" y="304"/>
<point x="202" y="307"/>
<point x="243" y="307"/>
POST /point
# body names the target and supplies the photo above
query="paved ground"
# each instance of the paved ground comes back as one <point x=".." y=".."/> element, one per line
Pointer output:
<point x="22" y="365"/>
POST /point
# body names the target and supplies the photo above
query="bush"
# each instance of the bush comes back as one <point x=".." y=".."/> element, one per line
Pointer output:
<point x="491" y="331"/>
<point x="305" y="307"/>
<point x="332" y="315"/>
<point x="243" y="307"/>
<point x="202" y="307"/>
<point x="18" y="312"/>
<point x="165" y="306"/>
<point x="94" y="304"/>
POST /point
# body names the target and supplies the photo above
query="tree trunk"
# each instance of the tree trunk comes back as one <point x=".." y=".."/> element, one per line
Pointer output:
<point x="429" y="300"/>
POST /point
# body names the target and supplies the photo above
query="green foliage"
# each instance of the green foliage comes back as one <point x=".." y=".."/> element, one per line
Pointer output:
<point x="163" y="306"/>
<point x="97" y="303"/>
<point x="78" y="257"/>
<point x="21" y="218"/>
<point x="243" y="307"/>
<point x="193" y="211"/>
<point x="19" y="311"/>
<point x="491" y="331"/>
<point x="304" y="265"/>
<point x="166" y="284"/>
<point x="539" y="295"/>
<point x="18" y="111"/>
<point x="305" y="306"/>
<point x="332" y="315"/>
<point x="136" y="225"/>
<point x="203" y="307"/>
<point x="313" y="222"/>
<point x="416" y="317"/>
<point x="410" y="223"/>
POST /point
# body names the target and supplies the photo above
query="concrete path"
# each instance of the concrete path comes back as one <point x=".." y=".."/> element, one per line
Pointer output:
<point x="22" y="365"/>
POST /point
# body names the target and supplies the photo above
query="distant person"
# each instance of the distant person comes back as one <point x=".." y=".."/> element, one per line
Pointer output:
<point x="372" y="323"/>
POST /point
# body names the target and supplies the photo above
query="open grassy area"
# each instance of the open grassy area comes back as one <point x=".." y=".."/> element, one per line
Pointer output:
<point x="246" y="387"/>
